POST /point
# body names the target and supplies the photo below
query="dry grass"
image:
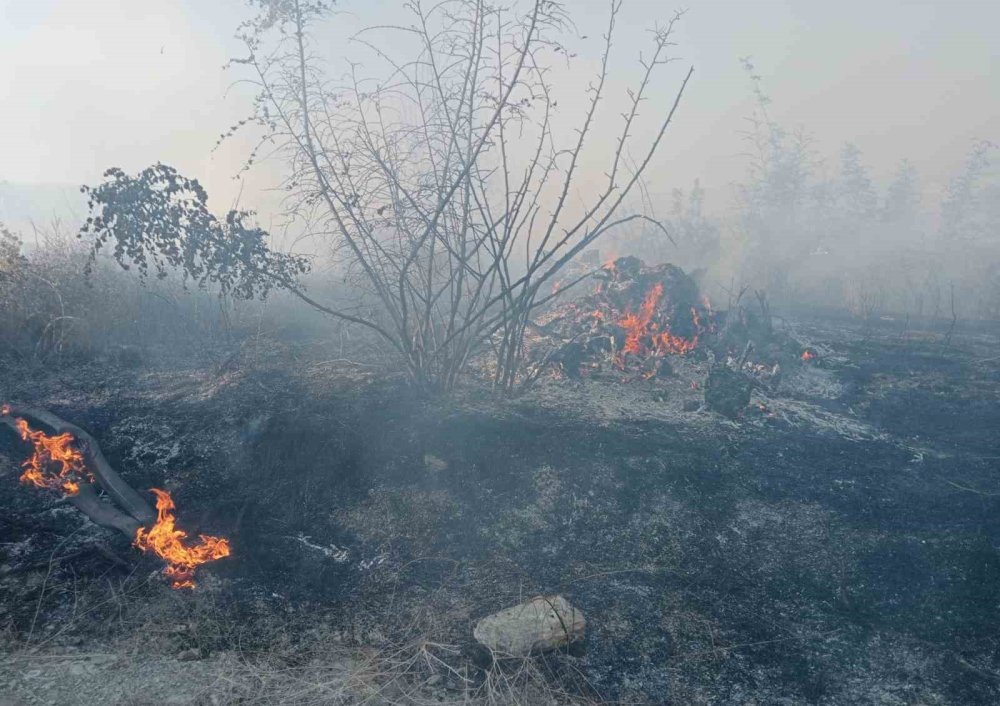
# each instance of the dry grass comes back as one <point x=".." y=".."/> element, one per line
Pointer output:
<point x="140" y="635"/>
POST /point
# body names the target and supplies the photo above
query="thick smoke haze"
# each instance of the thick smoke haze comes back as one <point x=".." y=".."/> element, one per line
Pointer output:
<point x="499" y="352"/>
<point x="908" y="86"/>
<point x="103" y="83"/>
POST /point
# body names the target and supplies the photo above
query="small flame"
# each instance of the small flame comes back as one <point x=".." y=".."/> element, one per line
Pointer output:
<point x="172" y="545"/>
<point x="808" y="355"/>
<point x="55" y="463"/>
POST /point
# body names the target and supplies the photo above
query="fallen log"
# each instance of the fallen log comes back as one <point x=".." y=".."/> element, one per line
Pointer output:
<point x="103" y="513"/>
<point x="100" y="513"/>
<point x="137" y="509"/>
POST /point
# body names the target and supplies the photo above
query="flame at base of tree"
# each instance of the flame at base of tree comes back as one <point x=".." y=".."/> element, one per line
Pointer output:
<point x="55" y="463"/>
<point x="173" y="546"/>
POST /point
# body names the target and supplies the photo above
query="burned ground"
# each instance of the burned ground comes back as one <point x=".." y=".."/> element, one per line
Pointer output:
<point x="836" y="544"/>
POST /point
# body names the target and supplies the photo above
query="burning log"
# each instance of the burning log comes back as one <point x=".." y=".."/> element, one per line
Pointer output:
<point x="542" y="624"/>
<point x="102" y="513"/>
<point x="52" y="451"/>
<point x="70" y="461"/>
<point x="119" y="491"/>
<point x="73" y="476"/>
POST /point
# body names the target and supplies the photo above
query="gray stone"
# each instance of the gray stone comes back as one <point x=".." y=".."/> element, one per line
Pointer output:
<point x="542" y="624"/>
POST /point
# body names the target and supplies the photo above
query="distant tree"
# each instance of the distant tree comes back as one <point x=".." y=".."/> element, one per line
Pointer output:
<point x="11" y="258"/>
<point x="902" y="199"/>
<point x="965" y="210"/>
<point x="159" y="220"/>
<point x="696" y="235"/>
<point x="777" y="197"/>
<point x="857" y="195"/>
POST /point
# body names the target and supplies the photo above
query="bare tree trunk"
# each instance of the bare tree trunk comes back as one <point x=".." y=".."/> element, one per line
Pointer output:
<point x="423" y="185"/>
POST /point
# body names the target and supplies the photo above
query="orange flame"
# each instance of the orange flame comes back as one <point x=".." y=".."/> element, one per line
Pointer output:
<point x="171" y="544"/>
<point x="55" y="463"/>
<point x="636" y="325"/>
<point x="666" y="342"/>
<point x="641" y="326"/>
<point x="808" y="355"/>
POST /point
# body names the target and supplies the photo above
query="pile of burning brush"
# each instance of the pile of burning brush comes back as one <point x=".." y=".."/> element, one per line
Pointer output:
<point x="635" y="318"/>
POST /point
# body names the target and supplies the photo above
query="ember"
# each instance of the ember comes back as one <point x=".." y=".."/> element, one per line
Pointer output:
<point x="55" y="463"/>
<point x="171" y="544"/>
<point x="808" y="355"/>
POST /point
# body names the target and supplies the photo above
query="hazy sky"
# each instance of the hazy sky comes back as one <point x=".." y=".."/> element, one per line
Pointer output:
<point x="88" y="84"/>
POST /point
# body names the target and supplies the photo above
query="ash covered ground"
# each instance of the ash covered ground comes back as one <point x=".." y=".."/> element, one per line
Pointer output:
<point x="836" y="543"/>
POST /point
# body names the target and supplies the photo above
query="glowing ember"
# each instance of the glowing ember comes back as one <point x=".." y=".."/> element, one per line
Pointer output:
<point x="172" y="544"/>
<point x="808" y="355"/>
<point x="55" y="463"/>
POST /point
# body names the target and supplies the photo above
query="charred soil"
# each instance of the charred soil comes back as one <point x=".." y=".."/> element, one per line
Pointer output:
<point x="837" y="543"/>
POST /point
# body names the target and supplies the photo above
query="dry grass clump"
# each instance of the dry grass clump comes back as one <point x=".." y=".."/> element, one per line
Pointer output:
<point x="134" y="641"/>
<point x="416" y="673"/>
<point x="52" y="311"/>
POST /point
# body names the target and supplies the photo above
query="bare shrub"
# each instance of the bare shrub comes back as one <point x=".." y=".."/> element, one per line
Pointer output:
<point x="440" y="185"/>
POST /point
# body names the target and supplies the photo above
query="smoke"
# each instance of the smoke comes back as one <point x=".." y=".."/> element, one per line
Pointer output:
<point x="906" y="209"/>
